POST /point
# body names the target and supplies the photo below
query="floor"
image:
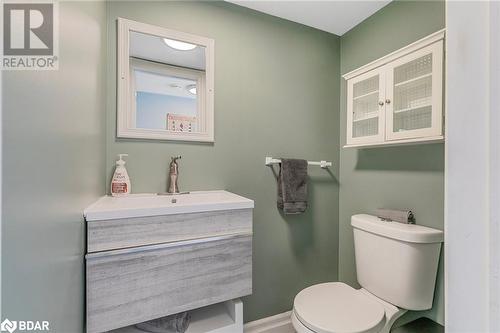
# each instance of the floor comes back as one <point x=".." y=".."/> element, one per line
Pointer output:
<point x="422" y="325"/>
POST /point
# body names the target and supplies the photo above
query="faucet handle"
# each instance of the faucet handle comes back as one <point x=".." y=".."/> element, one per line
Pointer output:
<point x="175" y="158"/>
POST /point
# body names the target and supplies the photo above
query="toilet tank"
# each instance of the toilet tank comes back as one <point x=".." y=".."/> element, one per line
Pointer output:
<point x="397" y="262"/>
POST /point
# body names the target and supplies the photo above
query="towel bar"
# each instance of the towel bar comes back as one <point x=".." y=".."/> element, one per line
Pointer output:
<point x="322" y="164"/>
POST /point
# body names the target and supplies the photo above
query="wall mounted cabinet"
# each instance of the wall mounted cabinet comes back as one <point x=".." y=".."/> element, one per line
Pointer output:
<point x="398" y="98"/>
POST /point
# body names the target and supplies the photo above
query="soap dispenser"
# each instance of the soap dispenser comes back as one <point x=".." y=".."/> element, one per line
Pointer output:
<point x="120" y="184"/>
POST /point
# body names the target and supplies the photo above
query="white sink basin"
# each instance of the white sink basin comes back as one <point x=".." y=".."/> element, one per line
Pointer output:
<point x="143" y="205"/>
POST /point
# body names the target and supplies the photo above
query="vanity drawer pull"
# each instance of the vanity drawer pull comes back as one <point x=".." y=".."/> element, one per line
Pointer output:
<point x="155" y="247"/>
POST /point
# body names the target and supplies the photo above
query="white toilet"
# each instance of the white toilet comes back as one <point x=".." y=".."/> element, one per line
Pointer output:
<point x="396" y="266"/>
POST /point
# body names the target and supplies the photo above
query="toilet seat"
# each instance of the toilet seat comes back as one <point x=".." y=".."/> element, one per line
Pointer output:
<point x="337" y="308"/>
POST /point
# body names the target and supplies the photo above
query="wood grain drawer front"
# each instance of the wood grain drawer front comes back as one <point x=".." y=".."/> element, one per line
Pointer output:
<point x="121" y="233"/>
<point x="129" y="286"/>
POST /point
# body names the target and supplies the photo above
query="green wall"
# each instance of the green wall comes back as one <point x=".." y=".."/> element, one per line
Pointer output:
<point x="401" y="177"/>
<point x="276" y="94"/>
<point x="53" y="167"/>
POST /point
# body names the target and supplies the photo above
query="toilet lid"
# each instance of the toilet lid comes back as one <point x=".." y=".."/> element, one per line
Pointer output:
<point x="337" y="308"/>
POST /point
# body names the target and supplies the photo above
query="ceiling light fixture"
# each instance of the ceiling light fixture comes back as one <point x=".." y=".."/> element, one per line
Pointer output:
<point x="181" y="46"/>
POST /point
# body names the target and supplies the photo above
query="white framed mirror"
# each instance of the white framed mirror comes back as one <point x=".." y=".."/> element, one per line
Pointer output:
<point x="165" y="84"/>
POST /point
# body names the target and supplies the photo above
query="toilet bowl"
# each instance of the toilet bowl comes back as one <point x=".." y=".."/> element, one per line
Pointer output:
<point x="396" y="266"/>
<point x="336" y="307"/>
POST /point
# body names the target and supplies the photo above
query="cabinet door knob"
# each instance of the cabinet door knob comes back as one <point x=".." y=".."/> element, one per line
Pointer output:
<point x="388" y="101"/>
<point x="380" y="103"/>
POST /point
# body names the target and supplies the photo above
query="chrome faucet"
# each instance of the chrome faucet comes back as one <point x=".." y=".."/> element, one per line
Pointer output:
<point x="173" y="174"/>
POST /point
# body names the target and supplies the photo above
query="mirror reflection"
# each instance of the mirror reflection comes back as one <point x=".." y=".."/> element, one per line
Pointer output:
<point x="167" y="82"/>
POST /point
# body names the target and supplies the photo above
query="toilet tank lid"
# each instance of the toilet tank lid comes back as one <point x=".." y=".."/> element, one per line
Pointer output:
<point x="411" y="233"/>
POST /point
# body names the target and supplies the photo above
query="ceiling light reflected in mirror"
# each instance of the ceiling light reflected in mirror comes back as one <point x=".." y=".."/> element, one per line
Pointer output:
<point x="178" y="45"/>
<point x="191" y="89"/>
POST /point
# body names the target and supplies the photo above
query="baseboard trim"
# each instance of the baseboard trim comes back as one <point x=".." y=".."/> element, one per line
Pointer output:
<point x="278" y="323"/>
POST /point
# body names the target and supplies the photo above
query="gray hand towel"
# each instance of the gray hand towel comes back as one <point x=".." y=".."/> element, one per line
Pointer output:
<point x="292" y="186"/>
<point x="177" y="323"/>
<point x="403" y="216"/>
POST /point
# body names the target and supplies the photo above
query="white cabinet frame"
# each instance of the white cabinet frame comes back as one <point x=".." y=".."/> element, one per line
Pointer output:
<point x="385" y="68"/>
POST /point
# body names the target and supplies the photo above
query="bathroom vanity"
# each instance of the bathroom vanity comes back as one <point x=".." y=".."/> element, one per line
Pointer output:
<point x="150" y="256"/>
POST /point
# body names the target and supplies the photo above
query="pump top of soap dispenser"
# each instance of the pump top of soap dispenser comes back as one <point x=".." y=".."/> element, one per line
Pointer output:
<point x="121" y="162"/>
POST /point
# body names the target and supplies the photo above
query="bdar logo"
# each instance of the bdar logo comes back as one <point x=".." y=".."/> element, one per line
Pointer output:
<point x="8" y="325"/>
<point x="24" y="325"/>
<point x="28" y="29"/>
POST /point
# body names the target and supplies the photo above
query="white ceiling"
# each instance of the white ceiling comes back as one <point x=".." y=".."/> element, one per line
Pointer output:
<point x="336" y="17"/>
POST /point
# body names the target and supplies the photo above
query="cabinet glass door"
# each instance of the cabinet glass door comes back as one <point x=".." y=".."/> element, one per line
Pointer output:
<point x="413" y="101"/>
<point x="365" y="116"/>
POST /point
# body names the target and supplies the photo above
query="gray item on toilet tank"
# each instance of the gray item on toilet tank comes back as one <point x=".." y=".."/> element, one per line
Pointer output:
<point x="177" y="323"/>
<point x="402" y="216"/>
